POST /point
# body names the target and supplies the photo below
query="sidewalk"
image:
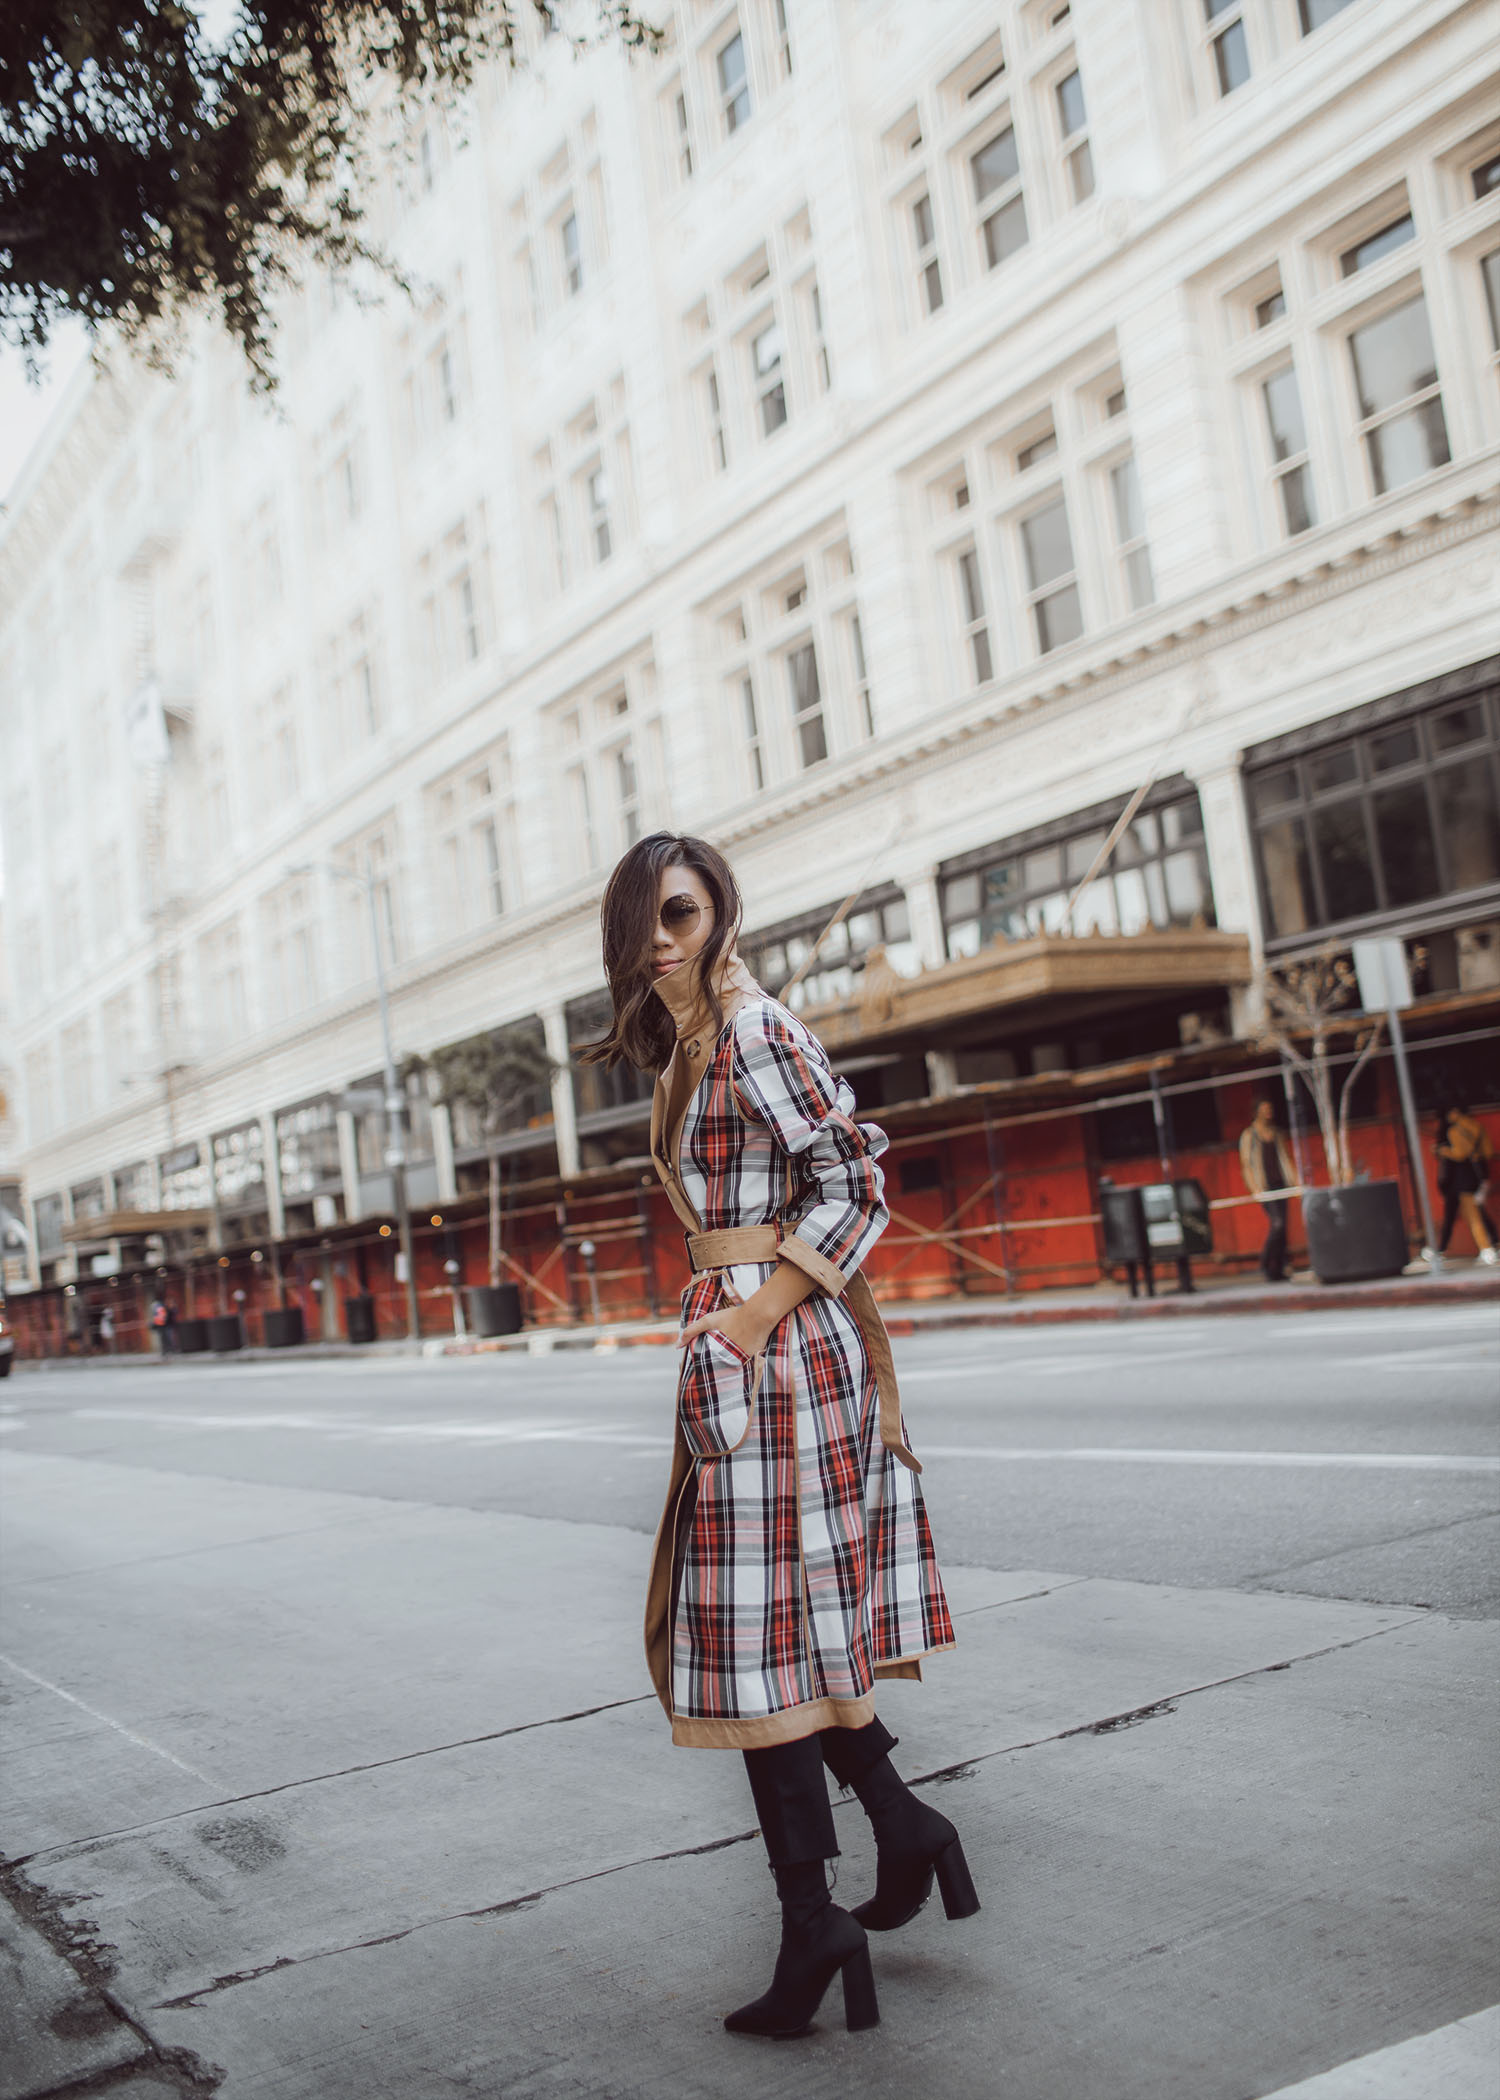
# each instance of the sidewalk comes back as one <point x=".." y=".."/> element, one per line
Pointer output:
<point x="1106" y="1301"/>
<point x="416" y="1829"/>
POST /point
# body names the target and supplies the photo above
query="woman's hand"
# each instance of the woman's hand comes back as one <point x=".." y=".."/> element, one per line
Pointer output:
<point x="743" y="1324"/>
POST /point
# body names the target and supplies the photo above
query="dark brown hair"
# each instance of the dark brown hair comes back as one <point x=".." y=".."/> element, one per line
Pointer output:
<point x="643" y="1032"/>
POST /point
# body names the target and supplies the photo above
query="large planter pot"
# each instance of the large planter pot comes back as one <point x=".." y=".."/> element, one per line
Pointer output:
<point x="192" y="1337"/>
<point x="493" y="1308"/>
<point x="1356" y="1232"/>
<point x="283" y="1326"/>
<point x="226" y="1332"/>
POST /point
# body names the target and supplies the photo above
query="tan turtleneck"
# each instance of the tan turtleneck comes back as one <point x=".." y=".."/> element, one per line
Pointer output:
<point x="682" y="993"/>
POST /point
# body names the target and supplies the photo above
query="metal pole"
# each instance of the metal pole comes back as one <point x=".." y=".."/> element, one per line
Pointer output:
<point x="395" y="1110"/>
<point x="1413" y="1138"/>
<point x="1159" y="1111"/>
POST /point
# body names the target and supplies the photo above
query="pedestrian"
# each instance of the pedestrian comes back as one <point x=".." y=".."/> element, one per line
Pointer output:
<point x="794" y="1565"/>
<point x="107" y="1330"/>
<point x="164" y="1324"/>
<point x="1266" y="1163"/>
<point x="1463" y="1157"/>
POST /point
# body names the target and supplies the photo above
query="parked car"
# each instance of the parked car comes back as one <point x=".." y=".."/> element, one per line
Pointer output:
<point x="7" y="1347"/>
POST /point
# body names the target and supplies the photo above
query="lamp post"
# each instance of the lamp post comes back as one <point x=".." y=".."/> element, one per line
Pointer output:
<point x="395" y="1103"/>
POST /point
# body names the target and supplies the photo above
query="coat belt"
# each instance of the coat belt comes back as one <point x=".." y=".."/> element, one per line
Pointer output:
<point x="759" y="1243"/>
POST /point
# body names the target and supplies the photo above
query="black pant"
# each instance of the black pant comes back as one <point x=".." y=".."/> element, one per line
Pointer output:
<point x="791" y="1794"/>
<point x="1451" y="1200"/>
<point x="1273" y="1253"/>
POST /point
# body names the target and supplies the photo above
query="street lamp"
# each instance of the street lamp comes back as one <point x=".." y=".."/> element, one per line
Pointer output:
<point x="395" y="1103"/>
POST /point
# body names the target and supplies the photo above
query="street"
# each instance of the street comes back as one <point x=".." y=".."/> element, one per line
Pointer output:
<point x="326" y="1717"/>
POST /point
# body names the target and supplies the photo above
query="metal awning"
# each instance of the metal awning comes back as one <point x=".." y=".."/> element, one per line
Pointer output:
<point x="133" y="1225"/>
<point x="1052" y="978"/>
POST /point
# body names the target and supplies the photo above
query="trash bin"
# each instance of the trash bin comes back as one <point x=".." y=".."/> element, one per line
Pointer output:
<point x="282" y="1326"/>
<point x="226" y="1332"/>
<point x="1124" y="1224"/>
<point x="359" y="1318"/>
<point x="494" y="1308"/>
<point x="192" y="1337"/>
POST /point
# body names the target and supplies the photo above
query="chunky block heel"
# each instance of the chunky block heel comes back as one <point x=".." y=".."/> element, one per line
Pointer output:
<point x="861" y="2008"/>
<point x="960" y="1899"/>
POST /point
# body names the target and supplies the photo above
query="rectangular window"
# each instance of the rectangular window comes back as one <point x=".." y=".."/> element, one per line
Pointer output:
<point x="807" y="704"/>
<point x="1314" y="13"/>
<point x="572" y="254"/>
<point x="596" y="486"/>
<point x="995" y="171"/>
<point x="684" y="136"/>
<point x="718" y="448"/>
<point x="1489" y="270"/>
<point x="751" y="719"/>
<point x="1377" y="245"/>
<point x="783" y="38"/>
<point x="1288" y="435"/>
<point x="1130" y="534"/>
<point x="1073" y="124"/>
<point x="976" y="628"/>
<point x="1401" y="410"/>
<point x="1052" y="584"/>
<point x="627" y="791"/>
<point x="861" y="670"/>
<point x="924" y="240"/>
<point x="1486" y="177"/>
<point x="770" y="380"/>
<point x="1228" y="49"/>
<point x="1271" y="308"/>
<point x="734" y="84"/>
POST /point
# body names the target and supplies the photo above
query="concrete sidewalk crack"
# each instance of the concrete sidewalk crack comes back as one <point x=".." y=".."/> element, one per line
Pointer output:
<point x="1070" y="1582"/>
<point x="1107" y="1724"/>
<point x="289" y="1786"/>
<point x="1395" y="1538"/>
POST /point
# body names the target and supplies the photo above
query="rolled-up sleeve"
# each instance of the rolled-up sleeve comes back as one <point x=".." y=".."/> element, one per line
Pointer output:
<point x="782" y="1078"/>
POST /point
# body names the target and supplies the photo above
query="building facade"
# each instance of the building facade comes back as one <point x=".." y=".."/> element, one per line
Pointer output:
<point x="885" y="439"/>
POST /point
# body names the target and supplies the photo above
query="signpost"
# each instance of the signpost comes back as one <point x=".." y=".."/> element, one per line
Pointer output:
<point x="1385" y="986"/>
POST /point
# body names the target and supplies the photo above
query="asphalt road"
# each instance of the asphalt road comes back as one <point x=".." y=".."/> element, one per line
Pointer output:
<point x="1337" y="1455"/>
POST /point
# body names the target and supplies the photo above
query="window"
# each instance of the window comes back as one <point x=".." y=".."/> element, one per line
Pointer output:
<point x="863" y="704"/>
<point x="1287" y="432"/>
<point x="600" y="746"/>
<point x="682" y="135"/>
<point x="807" y="703"/>
<point x="878" y="919"/>
<point x="1375" y="246"/>
<point x="1486" y="177"/>
<point x="1314" y="13"/>
<point x="1399" y="810"/>
<point x="924" y="242"/>
<point x="734" y="85"/>
<point x="1073" y="127"/>
<point x="1396" y="383"/>
<point x="1156" y="875"/>
<point x="1228" y="51"/>
<point x="783" y="38"/>
<point x="1489" y="270"/>
<point x="1271" y="308"/>
<point x="280" y="766"/>
<point x="976" y="629"/>
<point x="596" y="484"/>
<point x="221" y="978"/>
<point x="755" y="758"/>
<point x="1131" y="551"/>
<point x="291" y="948"/>
<point x="431" y="385"/>
<point x="472" y="818"/>
<point x="817" y="338"/>
<point x="1052" y="585"/>
<point x="769" y="379"/>
<point x="572" y="254"/>
<point x="995" y="171"/>
<point x="714" y="410"/>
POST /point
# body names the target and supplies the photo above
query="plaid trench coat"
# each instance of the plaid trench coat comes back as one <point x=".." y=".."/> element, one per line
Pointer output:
<point x="794" y="1564"/>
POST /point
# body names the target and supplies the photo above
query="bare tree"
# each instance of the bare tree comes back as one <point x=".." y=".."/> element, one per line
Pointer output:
<point x="1306" y="1004"/>
<point x="492" y="1076"/>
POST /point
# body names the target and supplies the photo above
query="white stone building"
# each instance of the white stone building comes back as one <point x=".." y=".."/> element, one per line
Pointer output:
<point x="877" y="434"/>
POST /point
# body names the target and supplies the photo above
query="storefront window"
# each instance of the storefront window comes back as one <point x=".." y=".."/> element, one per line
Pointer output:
<point x="1389" y="815"/>
<point x="878" y="920"/>
<point x="1156" y="875"/>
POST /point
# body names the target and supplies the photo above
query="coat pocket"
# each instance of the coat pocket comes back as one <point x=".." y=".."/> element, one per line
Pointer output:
<point x="716" y="1394"/>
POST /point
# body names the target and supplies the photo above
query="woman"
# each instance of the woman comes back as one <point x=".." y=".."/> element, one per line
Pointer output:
<point x="794" y="1565"/>
<point x="1463" y="1152"/>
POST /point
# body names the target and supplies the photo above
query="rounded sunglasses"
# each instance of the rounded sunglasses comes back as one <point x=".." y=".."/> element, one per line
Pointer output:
<point x="680" y="914"/>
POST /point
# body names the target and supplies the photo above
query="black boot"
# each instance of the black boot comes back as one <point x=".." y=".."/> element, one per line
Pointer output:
<point x="818" y="1941"/>
<point x="913" y="1843"/>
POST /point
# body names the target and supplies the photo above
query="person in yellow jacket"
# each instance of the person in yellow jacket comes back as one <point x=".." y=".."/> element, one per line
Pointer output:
<point x="1463" y="1155"/>
<point x="1266" y="1163"/>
